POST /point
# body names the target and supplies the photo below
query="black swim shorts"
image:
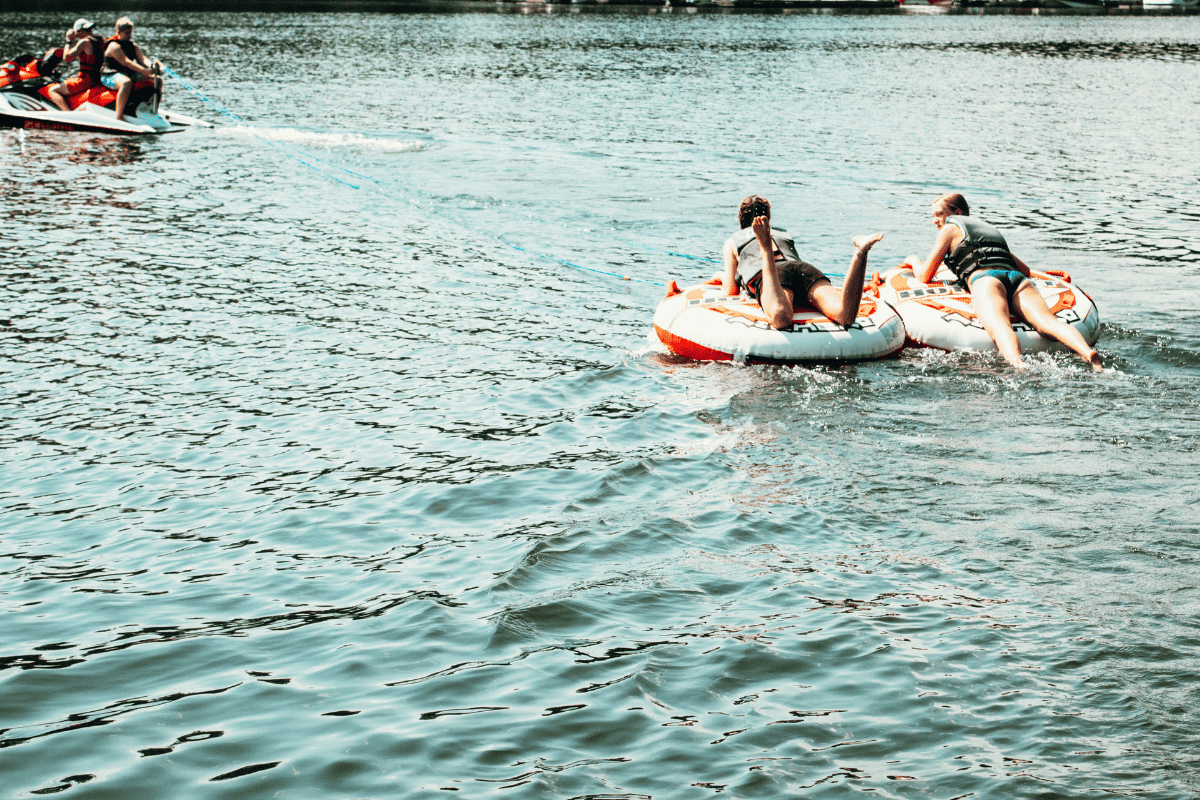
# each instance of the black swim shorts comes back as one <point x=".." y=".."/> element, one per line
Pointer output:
<point x="799" y="276"/>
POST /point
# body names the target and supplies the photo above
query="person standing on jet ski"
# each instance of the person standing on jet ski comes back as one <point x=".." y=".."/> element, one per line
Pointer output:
<point x="127" y="61"/>
<point x="88" y="48"/>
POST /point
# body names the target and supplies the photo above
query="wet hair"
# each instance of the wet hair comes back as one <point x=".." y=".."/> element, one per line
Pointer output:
<point x="954" y="202"/>
<point x="753" y="206"/>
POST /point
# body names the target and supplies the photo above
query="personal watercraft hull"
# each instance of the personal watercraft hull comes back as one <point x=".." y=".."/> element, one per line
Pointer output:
<point x="25" y="103"/>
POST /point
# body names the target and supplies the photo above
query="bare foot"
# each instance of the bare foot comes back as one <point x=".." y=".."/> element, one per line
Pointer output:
<point x="762" y="227"/>
<point x="865" y="243"/>
<point x="1093" y="358"/>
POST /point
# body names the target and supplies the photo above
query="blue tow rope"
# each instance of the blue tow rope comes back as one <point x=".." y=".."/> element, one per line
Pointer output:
<point x="305" y="158"/>
<point x="227" y="113"/>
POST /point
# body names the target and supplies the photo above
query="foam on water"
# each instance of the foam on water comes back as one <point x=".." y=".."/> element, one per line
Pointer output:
<point x="327" y="141"/>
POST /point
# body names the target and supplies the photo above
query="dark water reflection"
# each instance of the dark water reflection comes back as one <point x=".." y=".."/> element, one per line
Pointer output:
<point x="334" y="464"/>
<point x="1182" y="51"/>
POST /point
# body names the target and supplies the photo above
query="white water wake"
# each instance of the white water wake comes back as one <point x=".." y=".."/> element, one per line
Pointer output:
<point x="329" y="141"/>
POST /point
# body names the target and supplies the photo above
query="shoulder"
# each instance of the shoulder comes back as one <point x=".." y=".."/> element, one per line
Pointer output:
<point x="740" y="238"/>
<point x="951" y="233"/>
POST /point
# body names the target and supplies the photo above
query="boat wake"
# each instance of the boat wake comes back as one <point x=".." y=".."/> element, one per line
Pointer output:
<point x="329" y="141"/>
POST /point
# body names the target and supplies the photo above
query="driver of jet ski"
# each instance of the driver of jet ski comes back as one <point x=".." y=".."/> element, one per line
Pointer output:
<point x="88" y="48"/>
<point x="128" y="62"/>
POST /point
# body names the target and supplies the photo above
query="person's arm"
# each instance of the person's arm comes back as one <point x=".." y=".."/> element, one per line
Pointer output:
<point x="141" y="57"/>
<point x="946" y="238"/>
<point x="72" y="51"/>
<point x="1022" y="267"/>
<point x="729" y="285"/>
<point x="115" y="52"/>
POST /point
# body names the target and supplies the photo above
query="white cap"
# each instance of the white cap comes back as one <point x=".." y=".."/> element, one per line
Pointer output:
<point x="82" y="24"/>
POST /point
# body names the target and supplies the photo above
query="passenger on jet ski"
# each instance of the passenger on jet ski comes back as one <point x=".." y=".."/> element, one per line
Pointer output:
<point x="88" y="48"/>
<point x="127" y="60"/>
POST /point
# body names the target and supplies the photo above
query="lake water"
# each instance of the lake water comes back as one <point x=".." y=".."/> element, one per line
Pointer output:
<point x="336" y="466"/>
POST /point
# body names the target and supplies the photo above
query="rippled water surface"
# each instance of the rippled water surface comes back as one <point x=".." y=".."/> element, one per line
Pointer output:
<point x="336" y="464"/>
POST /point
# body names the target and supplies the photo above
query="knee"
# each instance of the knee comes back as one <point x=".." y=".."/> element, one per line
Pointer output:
<point x="846" y="318"/>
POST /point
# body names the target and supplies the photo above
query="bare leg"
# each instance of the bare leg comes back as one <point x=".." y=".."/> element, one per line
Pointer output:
<point x="1033" y="309"/>
<point x="58" y="97"/>
<point x="990" y="303"/>
<point x="124" y="89"/>
<point x="774" y="299"/>
<point x="841" y="305"/>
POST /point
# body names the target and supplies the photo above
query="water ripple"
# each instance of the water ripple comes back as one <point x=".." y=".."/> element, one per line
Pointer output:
<point x="371" y="492"/>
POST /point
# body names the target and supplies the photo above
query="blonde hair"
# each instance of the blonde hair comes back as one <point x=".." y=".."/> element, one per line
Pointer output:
<point x="953" y="202"/>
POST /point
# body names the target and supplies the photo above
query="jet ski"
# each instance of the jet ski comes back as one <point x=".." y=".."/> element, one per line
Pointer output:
<point x="25" y="103"/>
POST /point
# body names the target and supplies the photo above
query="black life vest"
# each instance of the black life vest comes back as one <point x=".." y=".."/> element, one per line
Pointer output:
<point x="982" y="247"/>
<point x="750" y="258"/>
<point x="90" y="64"/>
<point x="129" y="49"/>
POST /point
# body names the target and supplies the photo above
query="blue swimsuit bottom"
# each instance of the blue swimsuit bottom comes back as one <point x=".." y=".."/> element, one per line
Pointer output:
<point x="1010" y="279"/>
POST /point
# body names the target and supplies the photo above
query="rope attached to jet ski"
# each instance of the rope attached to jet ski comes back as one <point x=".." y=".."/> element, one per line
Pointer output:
<point x="227" y="113"/>
<point x="278" y="146"/>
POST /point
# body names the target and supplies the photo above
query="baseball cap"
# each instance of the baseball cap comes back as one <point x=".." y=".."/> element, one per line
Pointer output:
<point x="83" y="24"/>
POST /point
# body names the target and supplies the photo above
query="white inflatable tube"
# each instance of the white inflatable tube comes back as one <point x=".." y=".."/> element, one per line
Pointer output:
<point x="939" y="314"/>
<point x="702" y="323"/>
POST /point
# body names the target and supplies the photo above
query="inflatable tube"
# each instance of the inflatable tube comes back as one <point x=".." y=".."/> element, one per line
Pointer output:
<point x="939" y="314"/>
<point x="704" y="324"/>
